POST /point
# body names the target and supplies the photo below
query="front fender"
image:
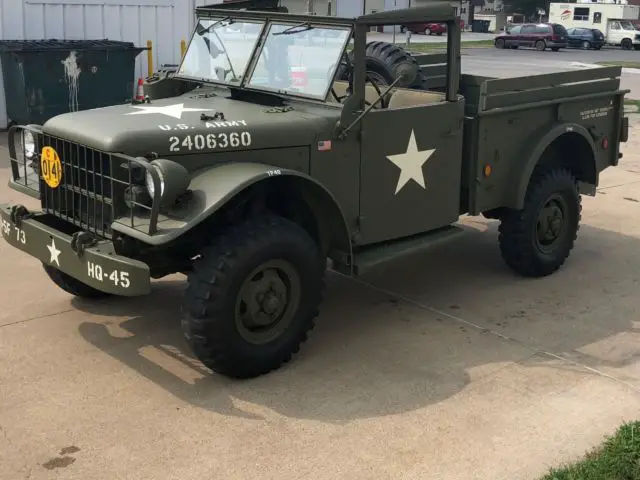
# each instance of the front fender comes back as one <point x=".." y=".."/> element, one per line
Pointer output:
<point x="214" y="187"/>
<point x="533" y="153"/>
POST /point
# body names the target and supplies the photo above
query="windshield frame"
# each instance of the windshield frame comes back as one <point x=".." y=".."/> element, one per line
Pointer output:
<point x="266" y="24"/>
<point x="251" y="67"/>
<point x="261" y="22"/>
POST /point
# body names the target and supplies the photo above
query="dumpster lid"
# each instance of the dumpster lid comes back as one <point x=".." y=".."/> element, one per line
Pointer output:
<point x="66" y="45"/>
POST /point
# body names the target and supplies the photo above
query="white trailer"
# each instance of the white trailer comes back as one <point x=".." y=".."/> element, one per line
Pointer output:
<point x="610" y="18"/>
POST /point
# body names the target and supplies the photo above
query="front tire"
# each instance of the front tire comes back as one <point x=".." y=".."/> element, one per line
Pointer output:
<point x="253" y="296"/>
<point x="541" y="45"/>
<point x="536" y="240"/>
<point x="72" y="285"/>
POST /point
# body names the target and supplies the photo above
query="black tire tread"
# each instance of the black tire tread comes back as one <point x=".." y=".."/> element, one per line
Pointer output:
<point x="385" y="59"/>
<point x="513" y="239"/>
<point x="203" y="322"/>
<point x="72" y="285"/>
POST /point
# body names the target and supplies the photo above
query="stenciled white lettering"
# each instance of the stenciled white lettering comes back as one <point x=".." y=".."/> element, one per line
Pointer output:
<point x="210" y="141"/>
<point x="117" y="277"/>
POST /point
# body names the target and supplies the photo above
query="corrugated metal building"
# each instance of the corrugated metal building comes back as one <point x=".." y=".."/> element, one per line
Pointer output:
<point x="164" y="22"/>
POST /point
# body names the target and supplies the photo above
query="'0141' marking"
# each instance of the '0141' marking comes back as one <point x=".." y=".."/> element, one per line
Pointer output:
<point x="117" y="277"/>
<point x="210" y="141"/>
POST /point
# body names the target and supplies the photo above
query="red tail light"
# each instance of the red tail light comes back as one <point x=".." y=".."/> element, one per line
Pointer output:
<point x="554" y="37"/>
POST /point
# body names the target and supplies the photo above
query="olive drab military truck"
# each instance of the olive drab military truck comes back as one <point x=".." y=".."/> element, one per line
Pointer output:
<point x="302" y="147"/>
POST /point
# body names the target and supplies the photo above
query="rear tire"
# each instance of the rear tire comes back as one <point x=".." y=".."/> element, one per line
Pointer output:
<point x="536" y="240"/>
<point x="72" y="285"/>
<point x="586" y="45"/>
<point x="541" y="45"/>
<point x="241" y="321"/>
<point x="499" y="43"/>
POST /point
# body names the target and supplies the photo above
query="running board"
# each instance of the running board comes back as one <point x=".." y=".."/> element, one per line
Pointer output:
<point x="374" y="256"/>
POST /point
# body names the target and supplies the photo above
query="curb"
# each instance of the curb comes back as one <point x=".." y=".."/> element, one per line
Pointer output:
<point x="595" y="65"/>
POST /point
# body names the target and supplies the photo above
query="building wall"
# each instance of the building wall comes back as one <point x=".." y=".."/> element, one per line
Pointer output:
<point x="164" y="22"/>
<point x="320" y="7"/>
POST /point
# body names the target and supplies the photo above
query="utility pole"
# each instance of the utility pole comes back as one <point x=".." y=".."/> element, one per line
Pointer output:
<point x="310" y="7"/>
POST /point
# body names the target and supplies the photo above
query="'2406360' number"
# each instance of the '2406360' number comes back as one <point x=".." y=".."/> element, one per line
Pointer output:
<point x="210" y="141"/>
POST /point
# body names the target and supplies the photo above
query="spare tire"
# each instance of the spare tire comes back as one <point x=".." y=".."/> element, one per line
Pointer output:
<point x="384" y="63"/>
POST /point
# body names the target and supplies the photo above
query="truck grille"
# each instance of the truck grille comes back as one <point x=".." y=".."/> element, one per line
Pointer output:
<point x="85" y="196"/>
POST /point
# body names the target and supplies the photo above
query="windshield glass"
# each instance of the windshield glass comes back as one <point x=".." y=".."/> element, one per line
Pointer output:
<point x="298" y="59"/>
<point x="627" y="25"/>
<point x="220" y="50"/>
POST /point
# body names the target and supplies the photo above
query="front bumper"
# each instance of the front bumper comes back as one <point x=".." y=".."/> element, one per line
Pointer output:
<point x="97" y="264"/>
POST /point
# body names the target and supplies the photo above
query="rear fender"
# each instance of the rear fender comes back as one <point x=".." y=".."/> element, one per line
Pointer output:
<point x="534" y="153"/>
<point x="214" y="187"/>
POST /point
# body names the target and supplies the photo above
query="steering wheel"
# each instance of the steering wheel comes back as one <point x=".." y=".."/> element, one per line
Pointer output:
<point x="381" y="102"/>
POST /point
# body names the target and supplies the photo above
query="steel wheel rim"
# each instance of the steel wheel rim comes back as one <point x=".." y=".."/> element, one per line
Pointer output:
<point x="551" y="224"/>
<point x="267" y="301"/>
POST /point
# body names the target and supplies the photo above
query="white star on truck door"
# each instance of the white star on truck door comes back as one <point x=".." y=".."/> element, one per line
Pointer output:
<point x="173" y="111"/>
<point x="410" y="163"/>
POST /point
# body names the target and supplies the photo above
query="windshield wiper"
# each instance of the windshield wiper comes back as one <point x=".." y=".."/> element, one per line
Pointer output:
<point x="289" y="31"/>
<point x="201" y="30"/>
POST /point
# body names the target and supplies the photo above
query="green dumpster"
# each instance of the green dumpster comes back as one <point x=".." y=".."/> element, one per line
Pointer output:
<point x="44" y="78"/>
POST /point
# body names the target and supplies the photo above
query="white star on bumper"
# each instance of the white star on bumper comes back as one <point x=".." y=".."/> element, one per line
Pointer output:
<point x="174" y="111"/>
<point x="410" y="163"/>
<point x="55" y="253"/>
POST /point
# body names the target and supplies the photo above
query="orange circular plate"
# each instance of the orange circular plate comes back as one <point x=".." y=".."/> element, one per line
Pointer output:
<point x="51" y="167"/>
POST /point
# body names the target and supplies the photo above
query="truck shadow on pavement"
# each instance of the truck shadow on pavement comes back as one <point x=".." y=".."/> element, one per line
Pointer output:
<point x="462" y="316"/>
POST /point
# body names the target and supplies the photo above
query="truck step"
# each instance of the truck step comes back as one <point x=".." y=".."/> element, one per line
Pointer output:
<point x="382" y="253"/>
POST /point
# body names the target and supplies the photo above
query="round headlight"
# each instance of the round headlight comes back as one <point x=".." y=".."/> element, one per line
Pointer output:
<point x="29" y="145"/>
<point x="149" y="182"/>
<point x="174" y="180"/>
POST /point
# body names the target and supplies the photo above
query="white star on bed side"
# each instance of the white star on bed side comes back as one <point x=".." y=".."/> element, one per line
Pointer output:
<point x="174" y="111"/>
<point x="410" y="163"/>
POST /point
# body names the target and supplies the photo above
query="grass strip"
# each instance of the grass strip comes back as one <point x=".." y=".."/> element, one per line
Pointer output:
<point x="617" y="458"/>
<point x="629" y="102"/>
<point x="442" y="46"/>
<point x="621" y="63"/>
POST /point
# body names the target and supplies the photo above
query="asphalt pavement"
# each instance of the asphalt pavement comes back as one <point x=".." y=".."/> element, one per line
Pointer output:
<point x="525" y="62"/>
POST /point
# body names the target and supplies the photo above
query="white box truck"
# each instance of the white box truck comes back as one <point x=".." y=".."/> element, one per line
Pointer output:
<point x="612" y="19"/>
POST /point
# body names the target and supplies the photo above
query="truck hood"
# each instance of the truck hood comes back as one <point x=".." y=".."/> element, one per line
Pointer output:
<point x="187" y="125"/>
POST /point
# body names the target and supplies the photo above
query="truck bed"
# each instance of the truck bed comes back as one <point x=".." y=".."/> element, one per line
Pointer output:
<point x="509" y="122"/>
<point x="483" y="94"/>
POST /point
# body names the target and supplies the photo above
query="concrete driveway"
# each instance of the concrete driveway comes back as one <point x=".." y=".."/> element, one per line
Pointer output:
<point x="444" y="366"/>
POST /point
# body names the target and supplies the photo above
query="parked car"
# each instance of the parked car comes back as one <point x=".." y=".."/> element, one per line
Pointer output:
<point x="538" y="35"/>
<point x="426" y="28"/>
<point x="586" y="38"/>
